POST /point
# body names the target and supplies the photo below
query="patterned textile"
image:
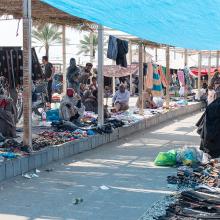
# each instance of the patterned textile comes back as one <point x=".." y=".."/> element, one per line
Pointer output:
<point x="181" y="77"/>
<point x="157" y="85"/>
<point x="162" y="72"/>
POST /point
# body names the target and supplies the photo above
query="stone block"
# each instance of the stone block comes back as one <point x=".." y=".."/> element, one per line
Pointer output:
<point x="38" y="160"/>
<point x="44" y="157"/>
<point x="24" y="164"/>
<point x="17" y="166"/>
<point x="55" y="153"/>
<point x="31" y="162"/>
<point x="93" y="141"/>
<point x="61" y="152"/>
<point x="66" y="150"/>
<point x="9" y="170"/>
<point x="2" y="171"/>
<point x="71" y="148"/>
<point x="76" y="147"/>
<point x="50" y="155"/>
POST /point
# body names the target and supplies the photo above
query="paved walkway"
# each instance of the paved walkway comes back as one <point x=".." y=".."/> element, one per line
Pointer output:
<point x="126" y="167"/>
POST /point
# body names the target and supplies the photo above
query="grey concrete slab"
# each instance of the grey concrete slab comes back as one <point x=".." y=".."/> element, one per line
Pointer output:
<point x="125" y="166"/>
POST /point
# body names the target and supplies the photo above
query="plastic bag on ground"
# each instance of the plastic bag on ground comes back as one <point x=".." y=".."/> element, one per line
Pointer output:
<point x="166" y="158"/>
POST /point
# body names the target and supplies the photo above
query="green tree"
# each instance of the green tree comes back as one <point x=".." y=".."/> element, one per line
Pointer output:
<point x="46" y="36"/>
<point x="85" y="46"/>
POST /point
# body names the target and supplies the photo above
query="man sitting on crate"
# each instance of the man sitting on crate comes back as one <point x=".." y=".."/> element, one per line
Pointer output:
<point x="71" y="107"/>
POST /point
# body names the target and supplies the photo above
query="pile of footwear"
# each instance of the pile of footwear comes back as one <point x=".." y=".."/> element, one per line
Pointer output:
<point x="198" y="204"/>
<point x="206" y="174"/>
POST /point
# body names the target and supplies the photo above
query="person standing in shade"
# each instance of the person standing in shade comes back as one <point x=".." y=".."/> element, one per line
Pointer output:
<point x="48" y="73"/>
<point x="121" y="99"/>
<point x="73" y="74"/>
<point x="85" y="73"/>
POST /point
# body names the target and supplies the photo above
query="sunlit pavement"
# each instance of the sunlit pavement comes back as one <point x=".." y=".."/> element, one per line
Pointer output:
<point x="125" y="167"/>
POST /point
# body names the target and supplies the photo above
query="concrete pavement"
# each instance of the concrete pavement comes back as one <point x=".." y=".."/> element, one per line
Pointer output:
<point x="125" y="167"/>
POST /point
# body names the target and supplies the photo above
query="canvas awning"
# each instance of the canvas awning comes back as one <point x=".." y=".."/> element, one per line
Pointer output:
<point x="118" y="71"/>
<point x="191" y="24"/>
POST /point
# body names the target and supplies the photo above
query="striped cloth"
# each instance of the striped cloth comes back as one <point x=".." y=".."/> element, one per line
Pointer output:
<point x="157" y="85"/>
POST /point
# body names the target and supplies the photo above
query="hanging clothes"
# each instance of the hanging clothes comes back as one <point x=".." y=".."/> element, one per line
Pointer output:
<point x="149" y="77"/>
<point x="187" y="78"/>
<point x="162" y="72"/>
<point x="157" y="90"/>
<point x="117" y="50"/>
<point x="112" y="48"/>
<point x="181" y="77"/>
<point x="122" y="51"/>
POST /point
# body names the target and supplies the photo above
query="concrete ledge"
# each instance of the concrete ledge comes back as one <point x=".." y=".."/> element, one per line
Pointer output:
<point x="15" y="167"/>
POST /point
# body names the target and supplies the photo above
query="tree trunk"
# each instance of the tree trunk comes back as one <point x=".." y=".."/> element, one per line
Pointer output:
<point x="91" y="44"/>
<point x="47" y="50"/>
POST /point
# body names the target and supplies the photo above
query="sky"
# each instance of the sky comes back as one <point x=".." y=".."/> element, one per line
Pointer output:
<point x="12" y="36"/>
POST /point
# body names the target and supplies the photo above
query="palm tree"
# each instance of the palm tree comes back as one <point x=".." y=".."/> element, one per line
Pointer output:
<point x="46" y="36"/>
<point x="85" y="44"/>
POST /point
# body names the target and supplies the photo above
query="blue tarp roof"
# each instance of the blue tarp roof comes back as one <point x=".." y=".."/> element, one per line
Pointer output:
<point x="192" y="24"/>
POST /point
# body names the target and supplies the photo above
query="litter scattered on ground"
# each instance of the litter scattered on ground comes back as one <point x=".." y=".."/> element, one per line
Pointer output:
<point x="103" y="187"/>
<point x="77" y="201"/>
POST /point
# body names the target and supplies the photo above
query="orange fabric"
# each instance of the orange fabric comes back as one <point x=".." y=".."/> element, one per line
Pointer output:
<point x="149" y="78"/>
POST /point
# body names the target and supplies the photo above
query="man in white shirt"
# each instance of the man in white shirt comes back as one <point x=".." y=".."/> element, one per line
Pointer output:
<point x="121" y="99"/>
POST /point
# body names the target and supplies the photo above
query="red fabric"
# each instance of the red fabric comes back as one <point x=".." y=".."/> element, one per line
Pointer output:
<point x="70" y="92"/>
<point x="3" y="103"/>
<point x="162" y="76"/>
<point x="204" y="72"/>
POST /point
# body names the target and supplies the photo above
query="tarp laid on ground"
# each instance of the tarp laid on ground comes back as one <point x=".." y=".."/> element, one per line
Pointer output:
<point x="192" y="24"/>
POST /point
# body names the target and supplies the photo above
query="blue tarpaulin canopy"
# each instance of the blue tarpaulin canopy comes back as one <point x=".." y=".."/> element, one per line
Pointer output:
<point x="191" y="24"/>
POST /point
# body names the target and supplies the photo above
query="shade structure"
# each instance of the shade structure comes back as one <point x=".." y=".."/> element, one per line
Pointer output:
<point x="204" y="72"/>
<point x="192" y="24"/>
<point x="118" y="71"/>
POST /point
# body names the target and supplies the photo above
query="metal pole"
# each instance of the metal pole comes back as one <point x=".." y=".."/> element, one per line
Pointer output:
<point x="113" y="85"/>
<point x="64" y="58"/>
<point x="141" y="111"/>
<point x="100" y="76"/>
<point x="209" y="67"/>
<point x="27" y="73"/>
<point x="168" y="77"/>
<point x="199" y="73"/>
<point x="185" y="57"/>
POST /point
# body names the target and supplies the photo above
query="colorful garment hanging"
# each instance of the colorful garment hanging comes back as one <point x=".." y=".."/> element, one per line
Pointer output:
<point x="187" y="79"/>
<point x="162" y="72"/>
<point x="157" y="85"/>
<point x="149" y="77"/>
<point x="181" y="77"/>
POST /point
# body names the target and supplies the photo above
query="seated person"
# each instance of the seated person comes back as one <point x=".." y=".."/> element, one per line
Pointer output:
<point x="147" y="100"/>
<point x="93" y="86"/>
<point x="90" y="102"/>
<point x="71" y="107"/>
<point x="121" y="99"/>
<point x="8" y="115"/>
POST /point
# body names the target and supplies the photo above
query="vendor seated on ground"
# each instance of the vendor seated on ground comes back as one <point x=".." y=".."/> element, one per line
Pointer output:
<point x="121" y="99"/>
<point x="7" y="115"/>
<point x="71" y="107"/>
<point x="147" y="100"/>
<point x="93" y="85"/>
<point x="90" y="101"/>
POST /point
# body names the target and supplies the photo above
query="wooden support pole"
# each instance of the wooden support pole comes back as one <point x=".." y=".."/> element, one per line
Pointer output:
<point x="209" y="67"/>
<point x="185" y="57"/>
<point x="168" y="77"/>
<point x="100" y="75"/>
<point x="130" y="52"/>
<point x="27" y="73"/>
<point x="64" y="58"/>
<point x="217" y="59"/>
<point x="141" y="78"/>
<point x="199" y="73"/>
<point x="156" y="58"/>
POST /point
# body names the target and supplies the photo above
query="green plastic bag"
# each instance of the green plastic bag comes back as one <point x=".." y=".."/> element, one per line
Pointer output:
<point x="166" y="158"/>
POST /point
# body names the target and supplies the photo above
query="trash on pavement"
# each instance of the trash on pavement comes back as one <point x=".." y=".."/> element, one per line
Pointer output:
<point x="103" y="187"/>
